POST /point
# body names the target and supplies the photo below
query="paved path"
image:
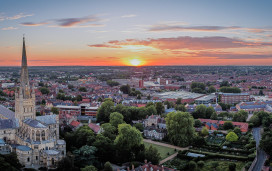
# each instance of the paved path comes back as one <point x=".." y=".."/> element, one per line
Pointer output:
<point x="166" y="145"/>
<point x="261" y="155"/>
<point x="169" y="158"/>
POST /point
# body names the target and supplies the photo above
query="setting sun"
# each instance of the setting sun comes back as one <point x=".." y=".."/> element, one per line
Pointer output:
<point x="135" y="62"/>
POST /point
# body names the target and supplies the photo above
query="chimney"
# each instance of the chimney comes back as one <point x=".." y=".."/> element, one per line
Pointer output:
<point x="128" y="169"/>
<point x="118" y="169"/>
<point x="162" y="168"/>
<point x="132" y="168"/>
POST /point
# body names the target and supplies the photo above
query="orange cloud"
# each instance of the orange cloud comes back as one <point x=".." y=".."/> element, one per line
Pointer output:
<point x="192" y="43"/>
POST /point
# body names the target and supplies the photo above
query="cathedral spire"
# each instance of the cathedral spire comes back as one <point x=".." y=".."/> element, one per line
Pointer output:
<point x="24" y="82"/>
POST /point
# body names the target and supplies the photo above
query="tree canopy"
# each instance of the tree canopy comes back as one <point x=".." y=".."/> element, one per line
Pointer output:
<point x="180" y="126"/>
<point x="231" y="136"/>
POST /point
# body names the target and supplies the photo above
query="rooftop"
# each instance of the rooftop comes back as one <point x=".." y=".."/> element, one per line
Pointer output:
<point x="47" y="119"/>
<point x="34" y="123"/>
<point x="23" y="148"/>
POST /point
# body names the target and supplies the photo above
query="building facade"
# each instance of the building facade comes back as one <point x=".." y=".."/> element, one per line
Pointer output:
<point x="34" y="139"/>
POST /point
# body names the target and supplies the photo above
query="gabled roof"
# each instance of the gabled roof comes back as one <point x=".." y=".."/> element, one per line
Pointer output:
<point x="94" y="127"/>
<point x="34" y="123"/>
<point x="47" y="119"/>
<point x="6" y="113"/>
<point x="23" y="148"/>
<point x="8" y="123"/>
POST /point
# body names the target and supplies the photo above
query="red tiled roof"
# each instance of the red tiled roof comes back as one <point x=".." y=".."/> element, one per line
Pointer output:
<point x="94" y="127"/>
<point x="74" y="123"/>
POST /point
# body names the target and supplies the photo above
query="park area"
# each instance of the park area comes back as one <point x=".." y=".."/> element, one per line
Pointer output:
<point x="164" y="151"/>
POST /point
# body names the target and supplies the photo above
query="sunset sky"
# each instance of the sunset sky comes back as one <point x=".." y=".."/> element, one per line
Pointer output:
<point x="142" y="32"/>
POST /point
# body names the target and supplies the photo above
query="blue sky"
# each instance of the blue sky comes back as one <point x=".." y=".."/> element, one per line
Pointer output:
<point x="80" y="32"/>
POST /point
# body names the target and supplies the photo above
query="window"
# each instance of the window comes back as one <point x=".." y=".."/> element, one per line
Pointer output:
<point x="36" y="157"/>
<point x="28" y="159"/>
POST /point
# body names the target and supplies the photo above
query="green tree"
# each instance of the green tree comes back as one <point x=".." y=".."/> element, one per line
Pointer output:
<point x="152" y="155"/>
<point x="198" y="123"/>
<point x="237" y="131"/>
<point x="139" y="126"/>
<point x="230" y="90"/>
<point x="181" y="108"/>
<point x="70" y="86"/>
<point x="109" y="131"/>
<point x="82" y="89"/>
<point x="104" y="111"/>
<point x="169" y="104"/>
<point x="198" y="85"/>
<point x="204" y="131"/>
<point x="211" y="89"/>
<point x="240" y="116"/>
<point x="179" y="101"/>
<point x="197" y="90"/>
<point x="214" y="116"/>
<point x="125" y="89"/>
<point x="127" y="142"/>
<point x="112" y="83"/>
<point x="180" y="126"/>
<point x="55" y="110"/>
<point x="224" y="84"/>
<point x="85" y="156"/>
<point x="44" y="90"/>
<point x="159" y="108"/>
<point x="209" y="111"/>
<point x="200" y="111"/>
<point x="214" y="164"/>
<point x="232" y="167"/>
<point x="192" y="165"/>
<point x="79" y="98"/>
<point x="88" y="168"/>
<point x="105" y="148"/>
<point x="108" y="167"/>
<point x="228" y="125"/>
<point x="67" y="164"/>
<point x="231" y="136"/>
<point x="200" y="164"/>
<point x="151" y="110"/>
<point x="116" y="119"/>
<point x="43" y="102"/>
<point x="266" y="142"/>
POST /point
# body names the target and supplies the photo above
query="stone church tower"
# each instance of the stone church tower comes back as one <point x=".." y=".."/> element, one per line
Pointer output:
<point x="25" y="96"/>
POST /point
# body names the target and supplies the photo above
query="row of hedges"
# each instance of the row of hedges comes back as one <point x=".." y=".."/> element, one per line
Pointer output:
<point x="208" y="155"/>
<point x="216" y="149"/>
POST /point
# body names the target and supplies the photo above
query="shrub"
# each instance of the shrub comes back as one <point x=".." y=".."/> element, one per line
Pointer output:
<point x="200" y="164"/>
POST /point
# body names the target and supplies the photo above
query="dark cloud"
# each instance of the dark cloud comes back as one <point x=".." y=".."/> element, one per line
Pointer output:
<point x="89" y="21"/>
<point x="69" y="22"/>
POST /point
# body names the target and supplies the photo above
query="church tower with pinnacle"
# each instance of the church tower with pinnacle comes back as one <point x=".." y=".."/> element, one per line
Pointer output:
<point x="24" y="96"/>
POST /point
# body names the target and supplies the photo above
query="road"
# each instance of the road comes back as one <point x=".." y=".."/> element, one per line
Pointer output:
<point x="261" y="155"/>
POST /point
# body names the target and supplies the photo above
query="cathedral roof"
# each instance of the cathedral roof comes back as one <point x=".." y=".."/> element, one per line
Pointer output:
<point x="5" y="113"/>
<point x="51" y="152"/>
<point x="23" y="148"/>
<point x="47" y="119"/>
<point x="8" y="123"/>
<point x="34" y="123"/>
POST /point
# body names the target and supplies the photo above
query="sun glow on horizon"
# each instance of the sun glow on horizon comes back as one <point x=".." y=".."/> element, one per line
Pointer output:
<point x="135" y="62"/>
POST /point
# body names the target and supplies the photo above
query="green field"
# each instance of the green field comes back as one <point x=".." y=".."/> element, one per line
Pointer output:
<point x="162" y="150"/>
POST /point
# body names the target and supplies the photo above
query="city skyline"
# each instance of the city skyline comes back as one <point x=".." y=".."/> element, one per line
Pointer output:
<point x="127" y="33"/>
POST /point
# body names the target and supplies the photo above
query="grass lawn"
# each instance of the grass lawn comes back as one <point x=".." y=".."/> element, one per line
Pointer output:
<point x="223" y="165"/>
<point x="162" y="150"/>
